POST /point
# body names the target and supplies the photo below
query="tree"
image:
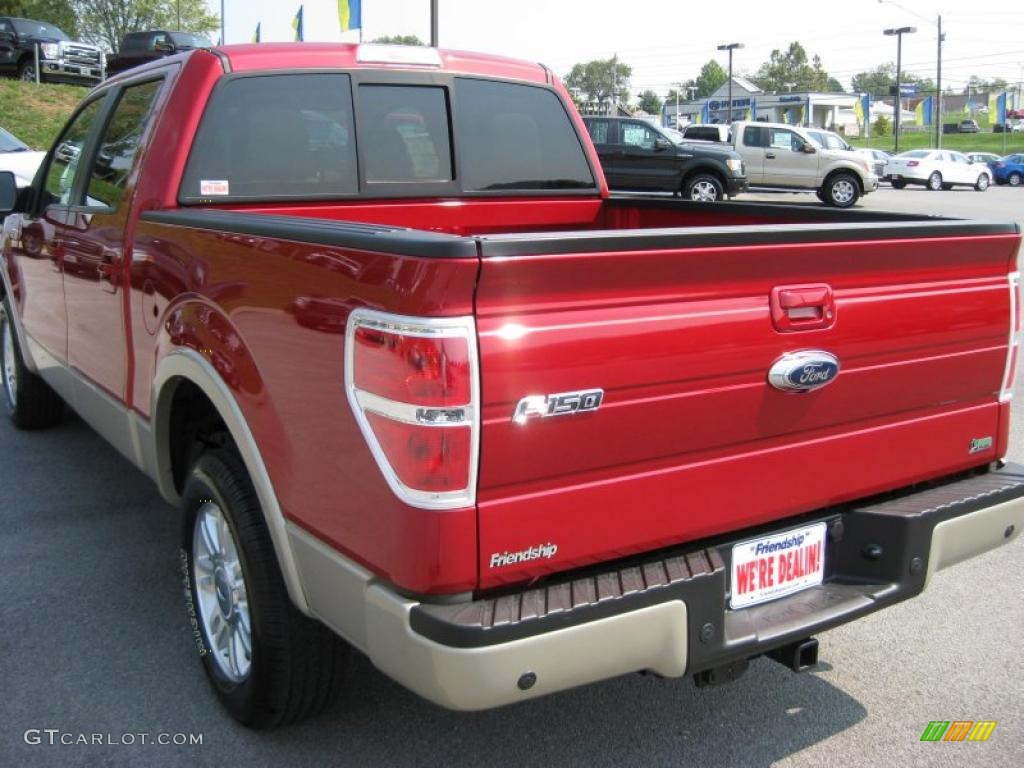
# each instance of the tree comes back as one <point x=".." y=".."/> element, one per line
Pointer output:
<point x="105" y="22"/>
<point x="712" y="77"/>
<point x="56" y="12"/>
<point x="877" y="81"/>
<point x="791" y="70"/>
<point x="649" y="102"/>
<point x="882" y="126"/>
<point x="398" y="40"/>
<point x="600" y="81"/>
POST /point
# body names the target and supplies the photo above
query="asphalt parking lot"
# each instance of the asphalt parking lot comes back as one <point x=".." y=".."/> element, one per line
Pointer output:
<point x="95" y="640"/>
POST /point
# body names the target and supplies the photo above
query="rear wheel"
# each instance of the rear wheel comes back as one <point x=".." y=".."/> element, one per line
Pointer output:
<point x="703" y="188"/>
<point x="268" y="664"/>
<point x="1014" y="179"/>
<point x="982" y="183"/>
<point x="898" y="184"/>
<point x="935" y="181"/>
<point x="841" y="190"/>
<point x="28" y="400"/>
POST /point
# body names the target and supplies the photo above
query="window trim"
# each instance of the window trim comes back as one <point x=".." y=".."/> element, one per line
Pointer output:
<point x="392" y="190"/>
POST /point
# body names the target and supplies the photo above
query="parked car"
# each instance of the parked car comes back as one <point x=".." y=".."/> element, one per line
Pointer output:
<point x="16" y="156"/>
<point x="878" y="159"/>
<point x="983" y="157"/>
<point x="1009" y="170"/>
<point x="636" y="155"/>
<point x="61" y="59"/>
<point x="967" y="126"/>
<point x="140" y="47"/>
<point x="499" y="431"/>
<point x="786" y="158"/>
<point x="707" y="132"/>
<point x="937" y="169"/>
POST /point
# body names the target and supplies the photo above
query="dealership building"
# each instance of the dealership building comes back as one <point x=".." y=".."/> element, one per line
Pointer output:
<point x="823" y="110"/>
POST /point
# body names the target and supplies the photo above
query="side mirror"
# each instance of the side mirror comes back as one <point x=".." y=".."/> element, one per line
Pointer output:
<point x="662" y="143"/>
<point x="808" y="149"/>
<point x="164" y="47"/>
<point x="8" y="193"/>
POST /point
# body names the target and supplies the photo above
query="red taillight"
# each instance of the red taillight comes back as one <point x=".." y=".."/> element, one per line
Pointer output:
<point x="412" y="383"/>
<point x="1013" y="348"/>
<point x="412" y="369"/>
<point x="912" y="163"/>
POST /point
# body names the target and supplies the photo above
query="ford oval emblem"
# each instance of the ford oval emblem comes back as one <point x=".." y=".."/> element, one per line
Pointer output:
<point x="803" y="371"/>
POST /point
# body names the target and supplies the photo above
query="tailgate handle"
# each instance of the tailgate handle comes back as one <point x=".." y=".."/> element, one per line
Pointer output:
<point x="802" y="307"/>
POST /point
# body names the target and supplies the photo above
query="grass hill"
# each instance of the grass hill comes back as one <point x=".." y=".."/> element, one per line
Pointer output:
<point x="35" y="113"/>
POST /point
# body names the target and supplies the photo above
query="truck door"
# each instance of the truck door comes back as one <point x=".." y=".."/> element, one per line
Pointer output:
<point x="752" y="148"/>
<point x="93" y="240"/>
<point x="785" y="162"/>
<point x="641" y="164"/>
<point x="38" y="253"/>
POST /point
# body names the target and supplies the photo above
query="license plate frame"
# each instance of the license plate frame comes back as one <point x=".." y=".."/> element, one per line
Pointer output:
<point x="776" y="565"/>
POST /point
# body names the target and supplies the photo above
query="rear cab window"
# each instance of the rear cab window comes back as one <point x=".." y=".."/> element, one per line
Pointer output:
<point x="332" y="135"/>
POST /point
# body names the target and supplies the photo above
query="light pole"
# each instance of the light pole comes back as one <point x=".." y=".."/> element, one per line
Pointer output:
<point x="222" y="40"/>
<point x="433" y="24"/>
<point x="940" y="38"/>
<point x="899" y="32"/>
<point x="730" y="47"/>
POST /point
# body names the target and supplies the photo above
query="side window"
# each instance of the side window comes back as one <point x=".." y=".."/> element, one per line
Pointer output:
<point x="752" y="136"/>
<point x="637" y="135"/>
<point x="119" y="144"/>
<point x="274" y="136"/>
<point x="5" y="27"/>
<point x="60" y="176"/>
<point x="157" y="40"/>
<point x="780" y="138"/>
<point x="404" y="133"/>
<point x="598" y="130"/>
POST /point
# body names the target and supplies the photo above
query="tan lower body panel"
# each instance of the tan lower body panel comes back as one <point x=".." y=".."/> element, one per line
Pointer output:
<point x="967" y="536"/>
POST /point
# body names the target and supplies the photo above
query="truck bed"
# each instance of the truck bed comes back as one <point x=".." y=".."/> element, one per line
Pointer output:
<point x="665" y="306"/>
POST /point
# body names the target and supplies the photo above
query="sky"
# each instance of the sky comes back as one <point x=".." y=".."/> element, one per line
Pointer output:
<point x="667" y="41"/>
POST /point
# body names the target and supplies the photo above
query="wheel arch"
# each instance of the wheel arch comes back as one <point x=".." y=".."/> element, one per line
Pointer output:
<point x="182" y="376"/>
<point x="847" y="170"/>
<point x="703" y="167"/>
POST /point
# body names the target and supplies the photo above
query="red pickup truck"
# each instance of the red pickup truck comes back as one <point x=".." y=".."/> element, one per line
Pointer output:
<point x="370" y="319"/>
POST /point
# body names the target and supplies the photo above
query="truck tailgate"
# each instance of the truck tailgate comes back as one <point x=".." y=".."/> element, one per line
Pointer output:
<point x="690" y="439"/>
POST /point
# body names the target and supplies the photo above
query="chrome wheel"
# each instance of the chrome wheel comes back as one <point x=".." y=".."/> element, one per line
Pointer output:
<point x="1014" y="179"/>
<point x="982" y="183"/>
<point x="221" y="596"/>
<point x="843" y="192"/>
<point x="10" y="370"/>
<point x="28" y="73"/>
<point x="935" y="182"/>
<point x="704" y="191"/>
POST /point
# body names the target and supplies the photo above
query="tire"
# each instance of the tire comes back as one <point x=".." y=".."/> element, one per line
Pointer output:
<point x="841" y="190"/>
<point x="935" y="181"/>
<point x="291" y="667"/>
<point x="1014" y="179"/>
<point x="27" y="72"/>
<point x="982" y="183"/>
<point x="27" y="399"/>
<point x="703" y="188"/>
<point x="898" y="184"/>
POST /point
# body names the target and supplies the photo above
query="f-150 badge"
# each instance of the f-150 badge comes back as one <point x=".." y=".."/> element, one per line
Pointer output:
<point x="562" y="404"/>
<point x="803" y="371"/>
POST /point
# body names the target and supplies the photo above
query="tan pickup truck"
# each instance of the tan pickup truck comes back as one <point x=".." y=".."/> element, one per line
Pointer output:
<point x="785" y="157"/>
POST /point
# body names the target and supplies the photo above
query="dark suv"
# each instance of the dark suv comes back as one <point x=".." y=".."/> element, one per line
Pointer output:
<point x="636" y="155"/>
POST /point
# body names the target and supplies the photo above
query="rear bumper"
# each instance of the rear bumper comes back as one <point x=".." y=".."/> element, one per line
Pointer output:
<point x="668" y="613"/>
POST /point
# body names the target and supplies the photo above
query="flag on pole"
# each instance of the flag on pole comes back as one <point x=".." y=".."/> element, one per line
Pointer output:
<point x="350" y="14"/>
<point x="256" y="34"/>
<point x="297" y="25"/>
<point x="923" y="111"/>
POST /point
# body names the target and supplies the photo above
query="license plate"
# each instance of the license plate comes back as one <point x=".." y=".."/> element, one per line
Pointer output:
<point x="777" y="565"/>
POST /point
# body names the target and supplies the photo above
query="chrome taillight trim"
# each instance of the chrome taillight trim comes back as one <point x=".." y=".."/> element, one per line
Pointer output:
<point x="440" y="417"/>
<point x="1011" y="371"/>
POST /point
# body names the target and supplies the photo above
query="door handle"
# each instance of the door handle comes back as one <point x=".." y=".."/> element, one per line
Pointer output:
<point x="802" y="307"/>
<point x="769" y="155"/>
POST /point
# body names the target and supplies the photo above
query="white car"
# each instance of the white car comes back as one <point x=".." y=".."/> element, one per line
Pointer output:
<point x="16" y="156"/>
<point x="937" y="169"/>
